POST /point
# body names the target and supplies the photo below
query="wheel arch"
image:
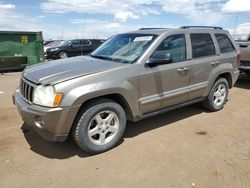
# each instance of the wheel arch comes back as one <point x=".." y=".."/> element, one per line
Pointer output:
<point x="228" y="77"/>
<point x="116" y="97"/>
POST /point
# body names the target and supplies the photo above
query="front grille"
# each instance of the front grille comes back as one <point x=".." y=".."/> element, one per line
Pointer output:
<point x="26" y="90"/>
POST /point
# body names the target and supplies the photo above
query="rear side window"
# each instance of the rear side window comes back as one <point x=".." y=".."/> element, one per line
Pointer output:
<point x="202" y="45"/>
<point x="85" y="42"/>
<point x="224" y="42"/>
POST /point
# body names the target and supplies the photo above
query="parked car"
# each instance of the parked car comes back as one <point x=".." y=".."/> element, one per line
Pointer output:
<point x="51" y="44"/>
<point x="130" y="77"/>
<point x="72" y="48"/>
<point x="244" y="46"/>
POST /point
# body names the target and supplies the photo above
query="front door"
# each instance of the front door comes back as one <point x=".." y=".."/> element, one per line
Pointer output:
<point x="75" y="48"/>
<point x="166" y="85"/>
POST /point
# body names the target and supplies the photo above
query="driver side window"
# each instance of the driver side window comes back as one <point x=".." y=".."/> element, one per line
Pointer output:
<point x="174" y="46"/>
<point x="75" y="42"/>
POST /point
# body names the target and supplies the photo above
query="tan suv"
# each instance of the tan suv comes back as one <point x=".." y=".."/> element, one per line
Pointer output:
<point x="131" y="76"/>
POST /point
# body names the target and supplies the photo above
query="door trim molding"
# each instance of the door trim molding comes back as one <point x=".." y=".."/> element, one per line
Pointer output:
<point x="172" y="93"/>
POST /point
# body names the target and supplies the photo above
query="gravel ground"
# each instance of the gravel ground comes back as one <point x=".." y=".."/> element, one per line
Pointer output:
<point x="188" y="147"/>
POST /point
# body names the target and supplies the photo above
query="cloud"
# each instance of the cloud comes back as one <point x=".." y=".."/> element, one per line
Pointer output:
<point x="243" y="28"/>
<point x="202" y="12"/>
<point x="135" y="9"/>
<point x="119" y="10"/>
<point x="241" y="31"/>
<point x="6" y="6"/>
<point x="236" y="6"/>
<point x="88" y="21"/>
<point x="10" y="19"/>
<point x="124" y="15"/>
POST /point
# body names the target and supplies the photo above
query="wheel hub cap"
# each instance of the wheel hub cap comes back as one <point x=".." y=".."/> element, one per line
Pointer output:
<point x="220" y="95"/>
<point x="103" y="127"/>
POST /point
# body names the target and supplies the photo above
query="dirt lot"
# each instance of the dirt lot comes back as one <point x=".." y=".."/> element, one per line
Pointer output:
<point x="188" y="147"/>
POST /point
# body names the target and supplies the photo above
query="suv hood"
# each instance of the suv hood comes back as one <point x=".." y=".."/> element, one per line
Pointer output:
<point x="61" y="70"/>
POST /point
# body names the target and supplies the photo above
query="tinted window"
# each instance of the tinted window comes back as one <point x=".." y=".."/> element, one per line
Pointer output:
<point x="202" y="45"/>
<point x="97" y="41"/>
<point x="85" y="42"/>
<point x="224" y="42"/>
<point x="174" y="45"/>
<point x="75" y="42"/>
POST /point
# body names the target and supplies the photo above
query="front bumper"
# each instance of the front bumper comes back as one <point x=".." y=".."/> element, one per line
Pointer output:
<point x="53" y="124"/>
<point x="51" y="54"/>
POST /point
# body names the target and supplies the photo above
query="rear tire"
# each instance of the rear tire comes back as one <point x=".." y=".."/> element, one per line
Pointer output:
<point x="63" y="55"/>
<point x="217" y="96"/>
<point x="100" y="126"/>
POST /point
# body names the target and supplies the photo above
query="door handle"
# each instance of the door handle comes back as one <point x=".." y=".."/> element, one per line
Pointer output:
<point x="243" y="46"/>
<point x="215" y="62"/>
<point x="183" y="69"/>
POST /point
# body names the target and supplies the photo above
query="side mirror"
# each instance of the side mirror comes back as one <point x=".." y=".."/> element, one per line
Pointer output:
<point x="156" y="60"/>
<point x="70" y="45"/>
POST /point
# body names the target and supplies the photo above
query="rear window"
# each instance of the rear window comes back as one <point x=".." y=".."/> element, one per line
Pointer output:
<point x="224" y="42"/>
<point x="202" y="45"/>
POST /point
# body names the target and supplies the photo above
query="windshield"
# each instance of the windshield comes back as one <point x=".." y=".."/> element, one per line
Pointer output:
<point x="67" y="42"/>
<point x="124" y="48"/>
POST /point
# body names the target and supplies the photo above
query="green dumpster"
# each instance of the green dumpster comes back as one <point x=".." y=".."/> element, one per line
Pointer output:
<point x="19" y="49"/>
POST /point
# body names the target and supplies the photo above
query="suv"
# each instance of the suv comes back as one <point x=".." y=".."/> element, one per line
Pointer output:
<point x="72" y="48"/>
<point x="130" y="77"/>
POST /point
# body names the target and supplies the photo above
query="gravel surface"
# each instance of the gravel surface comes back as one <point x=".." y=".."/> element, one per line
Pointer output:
<point x="188" y="147"/>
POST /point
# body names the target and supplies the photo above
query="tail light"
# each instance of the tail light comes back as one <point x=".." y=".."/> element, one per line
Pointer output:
<point x="238" y="60"/>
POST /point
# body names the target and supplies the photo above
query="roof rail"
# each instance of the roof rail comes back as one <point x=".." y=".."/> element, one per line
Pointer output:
<point x="202" y="27"/>
<point x="151" y="28"/>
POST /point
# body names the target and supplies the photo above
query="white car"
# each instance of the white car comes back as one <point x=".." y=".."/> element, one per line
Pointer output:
<point x="244" y="46"/>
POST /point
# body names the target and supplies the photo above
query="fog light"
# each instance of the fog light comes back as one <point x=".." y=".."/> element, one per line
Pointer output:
<point x="39" y="124"/>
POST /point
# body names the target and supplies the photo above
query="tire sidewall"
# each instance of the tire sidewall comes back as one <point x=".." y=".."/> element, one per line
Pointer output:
<point x="83" y="125"/>
<point x="211" y="95"/>
<point x="59" y="55"/>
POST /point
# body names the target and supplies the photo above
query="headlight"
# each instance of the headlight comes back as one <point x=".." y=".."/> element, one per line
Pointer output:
<point x="54" y="49"/>
<point x="46" y="96"/>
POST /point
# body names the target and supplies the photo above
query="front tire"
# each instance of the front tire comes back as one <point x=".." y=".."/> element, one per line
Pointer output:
<point x="217" y="96"/>
<point x="100" y="126"/>
<point x="63" y="55"/>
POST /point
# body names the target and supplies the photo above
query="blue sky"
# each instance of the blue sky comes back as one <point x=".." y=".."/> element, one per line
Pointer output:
<point x="103" y="18"/>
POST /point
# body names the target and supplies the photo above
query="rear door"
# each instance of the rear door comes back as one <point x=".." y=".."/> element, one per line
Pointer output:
<point x="203" y="61"/>
<point x="85" y="47"/>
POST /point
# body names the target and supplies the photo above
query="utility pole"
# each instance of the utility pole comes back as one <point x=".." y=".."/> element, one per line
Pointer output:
<point x="235" y="25"/>
<point x="62" y="34"/>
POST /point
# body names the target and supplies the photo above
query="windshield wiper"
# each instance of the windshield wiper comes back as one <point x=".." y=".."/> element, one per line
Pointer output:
<point x="102" y="57"/>
<point x="110" y="59"/>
